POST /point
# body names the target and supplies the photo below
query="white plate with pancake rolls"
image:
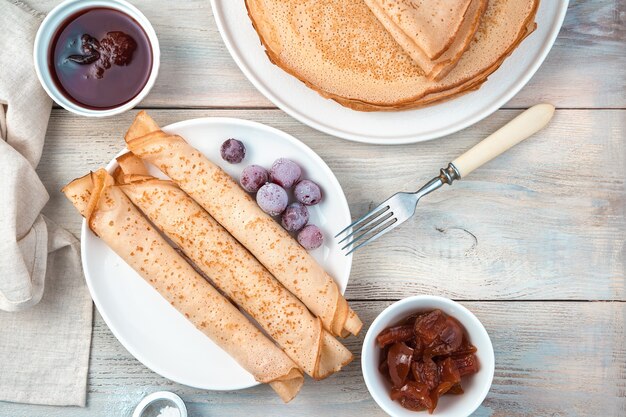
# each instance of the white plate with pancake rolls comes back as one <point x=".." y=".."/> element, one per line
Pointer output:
<point x="392" y="126"/>
<point x="144" y="322"/>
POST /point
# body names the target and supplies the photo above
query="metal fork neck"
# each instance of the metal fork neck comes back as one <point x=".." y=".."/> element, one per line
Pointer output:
<point x="449" y="174"/>
<point x="446" y="176"/>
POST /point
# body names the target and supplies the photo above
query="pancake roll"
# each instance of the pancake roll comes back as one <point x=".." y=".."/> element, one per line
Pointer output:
<point x="234" y="271"/>
<point x="239" y="214"/>
<point x="113" y="218"/>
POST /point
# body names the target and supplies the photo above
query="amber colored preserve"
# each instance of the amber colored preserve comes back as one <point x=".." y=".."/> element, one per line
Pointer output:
<point x="424" y="357"/>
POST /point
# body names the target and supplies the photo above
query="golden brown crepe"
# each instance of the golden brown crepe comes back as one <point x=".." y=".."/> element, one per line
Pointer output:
<point x="432" y="25"/>
<point x="468" y="86"/>
<point x="131" y="165"/>
<point x="237" y="212"/>
<point x="112" y="217"/>
<point x="409" y="22"/>
<point x="341" y="50"/>
<point x="236" y="272"/>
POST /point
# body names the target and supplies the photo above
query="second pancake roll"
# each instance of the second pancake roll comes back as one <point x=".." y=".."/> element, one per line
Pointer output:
<point x="237" y="212"/>
<point x="236" y="272"/>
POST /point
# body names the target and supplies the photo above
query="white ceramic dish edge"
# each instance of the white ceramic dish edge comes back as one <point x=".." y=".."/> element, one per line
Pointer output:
<point x="413" y="138"/>
<point x="47" y="30"/>
<point x="398" y="311"/>
<point x="85" y="232"/>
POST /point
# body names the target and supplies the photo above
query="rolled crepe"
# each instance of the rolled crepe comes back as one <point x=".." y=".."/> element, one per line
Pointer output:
<point x="236" y="272"/>
<point x="112" y="217"/>
<point x="238" y="213"/>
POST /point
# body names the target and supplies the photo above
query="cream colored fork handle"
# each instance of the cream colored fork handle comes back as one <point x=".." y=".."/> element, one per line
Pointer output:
<point x="523" y="126"/>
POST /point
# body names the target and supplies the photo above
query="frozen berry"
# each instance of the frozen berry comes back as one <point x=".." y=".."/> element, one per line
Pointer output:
<point x="310" y="237"/>
<point x="272" y="199"/>
<point x="295" y="217"/>
<point x="307" y="192"/>
<point x="233" y="151"/>
<point x="285" y="172"/>
<point x="253" y="177"/>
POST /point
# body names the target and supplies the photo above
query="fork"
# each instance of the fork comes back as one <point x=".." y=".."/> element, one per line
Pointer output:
<point x="401" y="206"/>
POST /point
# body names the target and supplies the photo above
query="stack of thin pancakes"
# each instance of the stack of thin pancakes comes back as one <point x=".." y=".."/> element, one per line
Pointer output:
<point x="377" y="55"/>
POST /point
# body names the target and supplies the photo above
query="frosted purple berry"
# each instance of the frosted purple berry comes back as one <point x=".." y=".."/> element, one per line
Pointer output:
<point x="253" y="177"/>
<point x="272" y="199"/>
<point x="310" y="237"/>
<point x="285" y="172"/>
<point x="307" y="192"/>
<point x="233" y="151"/>
<point x="295" y="217"/>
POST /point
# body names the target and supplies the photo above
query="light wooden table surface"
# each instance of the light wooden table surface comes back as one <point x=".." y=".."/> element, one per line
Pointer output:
<point x="533" y="243"/>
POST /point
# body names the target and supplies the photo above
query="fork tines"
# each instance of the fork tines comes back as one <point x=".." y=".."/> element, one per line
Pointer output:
<point x="373" y="225"/>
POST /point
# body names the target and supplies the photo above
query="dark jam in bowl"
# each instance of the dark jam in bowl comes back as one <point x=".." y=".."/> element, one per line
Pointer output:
<point x="100" y="58"/>
<point x="424" y="358"/>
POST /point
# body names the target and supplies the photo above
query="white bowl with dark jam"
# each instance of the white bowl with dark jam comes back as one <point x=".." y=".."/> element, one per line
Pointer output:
<point x="427" y="354"/>
<point x="96" y="58"/>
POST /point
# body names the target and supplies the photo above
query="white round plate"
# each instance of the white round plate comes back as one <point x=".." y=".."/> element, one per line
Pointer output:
<point x="152" y="330"/>
<point x="408" y="126"/>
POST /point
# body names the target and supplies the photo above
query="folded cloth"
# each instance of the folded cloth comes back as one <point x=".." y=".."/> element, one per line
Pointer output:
<point x="44" y="342"/>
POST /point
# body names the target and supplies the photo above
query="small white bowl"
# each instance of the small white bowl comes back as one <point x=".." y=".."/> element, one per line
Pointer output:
<point x="46" y="32"/>
<point x="153" y="404"/>
<point x="475" y="386"/>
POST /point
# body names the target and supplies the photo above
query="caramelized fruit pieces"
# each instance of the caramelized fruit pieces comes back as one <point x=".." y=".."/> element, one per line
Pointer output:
<point x="394" y="335"/>
<point x="424" y="358"/>
<point x="399" y="360"/>
<point x="449" y="376"/>
<point x="440" y="333"/>
<point x="467" y="364"/>
<point x="413" y="396"/>
<point x="426" y="372"/>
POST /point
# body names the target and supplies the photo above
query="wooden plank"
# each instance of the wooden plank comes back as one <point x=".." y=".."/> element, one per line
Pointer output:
<point x="582" y="69"/>
<point x="197" y="70"/>
<point x="544" y="221"/>
<point x="552" y="358"/>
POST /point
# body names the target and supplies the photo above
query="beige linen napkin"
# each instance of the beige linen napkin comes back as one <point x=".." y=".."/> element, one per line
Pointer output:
<point x="44" y="342"/>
